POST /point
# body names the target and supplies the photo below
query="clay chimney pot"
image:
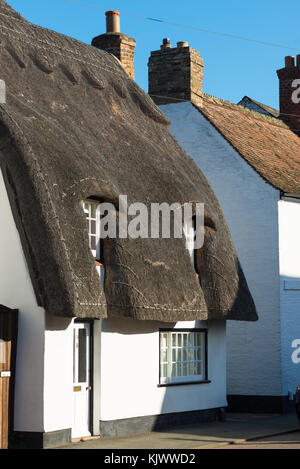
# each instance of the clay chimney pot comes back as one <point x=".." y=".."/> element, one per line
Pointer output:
<point x="112" y="21"/>
<point x="289" y="61"/>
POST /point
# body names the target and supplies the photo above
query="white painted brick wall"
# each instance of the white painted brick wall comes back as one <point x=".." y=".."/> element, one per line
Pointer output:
<point x="289" y="247"/>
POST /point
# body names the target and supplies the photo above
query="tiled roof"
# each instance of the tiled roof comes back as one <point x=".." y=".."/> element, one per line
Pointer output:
<point x="265" y="143"/>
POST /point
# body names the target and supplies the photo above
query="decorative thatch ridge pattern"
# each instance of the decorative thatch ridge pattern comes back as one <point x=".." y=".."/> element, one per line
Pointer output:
<point x="76" y="126"/>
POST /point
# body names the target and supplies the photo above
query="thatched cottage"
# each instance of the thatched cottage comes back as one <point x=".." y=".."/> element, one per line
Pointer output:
<point x="144" y="345"/>
<point x="250" y="155"/>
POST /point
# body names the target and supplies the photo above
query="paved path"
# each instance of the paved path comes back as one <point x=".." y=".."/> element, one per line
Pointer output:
<point x="237" y="427"/>
<point x="286" y="441"/>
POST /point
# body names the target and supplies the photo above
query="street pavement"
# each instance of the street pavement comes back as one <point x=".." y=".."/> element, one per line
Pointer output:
<point x="286" y="441"/>
<point x="237" y="428"/>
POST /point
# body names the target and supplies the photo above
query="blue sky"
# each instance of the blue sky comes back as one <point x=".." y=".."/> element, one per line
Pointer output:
<point x="233" y="68"/>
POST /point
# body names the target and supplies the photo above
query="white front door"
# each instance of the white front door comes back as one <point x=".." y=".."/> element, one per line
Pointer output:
<point x="81" y="379"/>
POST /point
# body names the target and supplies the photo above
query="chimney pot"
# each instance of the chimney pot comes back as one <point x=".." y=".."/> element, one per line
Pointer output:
<point x="166" y="44"/>
<point x="298" y="61"/>
<point x="182" y="44"/>
<point x="112" y="21"/>
<point x="290" y="61"/>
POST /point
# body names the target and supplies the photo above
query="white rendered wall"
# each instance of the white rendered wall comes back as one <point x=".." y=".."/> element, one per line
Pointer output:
<point x="250" y="208"/>
<point x="58" y="374"/>
<point x="289" y="245"/>
<point x="16" y="292"/>
<point x="130" y="371"/>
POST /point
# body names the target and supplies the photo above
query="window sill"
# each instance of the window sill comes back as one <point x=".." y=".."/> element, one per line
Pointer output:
<point x="186" y="383"/>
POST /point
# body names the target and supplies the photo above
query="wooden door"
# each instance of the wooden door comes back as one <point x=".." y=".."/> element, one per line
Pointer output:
<point x="81" y="380"/>
<point x="8" y="349"/>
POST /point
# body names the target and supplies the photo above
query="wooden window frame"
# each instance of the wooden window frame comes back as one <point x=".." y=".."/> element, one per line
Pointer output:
<point x="98" y="253"/>
<point x="184" y="380"/>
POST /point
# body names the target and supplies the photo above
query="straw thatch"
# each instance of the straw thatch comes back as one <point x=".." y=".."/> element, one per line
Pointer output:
<point x="74" y="126"/>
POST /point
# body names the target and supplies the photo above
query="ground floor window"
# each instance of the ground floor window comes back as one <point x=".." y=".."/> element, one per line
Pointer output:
<point x="183" y="356"/>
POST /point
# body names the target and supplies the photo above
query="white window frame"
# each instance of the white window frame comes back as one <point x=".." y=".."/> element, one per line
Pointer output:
<point x="180" y="358"/>
<point x="96" y="252"/>
<point x="87" y="211"/>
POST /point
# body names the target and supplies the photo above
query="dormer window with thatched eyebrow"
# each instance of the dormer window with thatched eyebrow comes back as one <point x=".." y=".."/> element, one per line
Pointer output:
<point x="92" y="212"/>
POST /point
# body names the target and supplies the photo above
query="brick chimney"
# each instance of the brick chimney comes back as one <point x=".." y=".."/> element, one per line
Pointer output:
<point x="117" y="43"/>
<point x="175" y="74"/>
<point x="289" y="86"/>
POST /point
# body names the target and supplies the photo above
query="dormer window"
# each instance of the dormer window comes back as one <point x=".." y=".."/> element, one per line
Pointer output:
<point x="190" y="233"/>
<point x="91" y="209"/>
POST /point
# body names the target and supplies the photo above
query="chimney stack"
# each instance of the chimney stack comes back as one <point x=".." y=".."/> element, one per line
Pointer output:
<point x="289" y="92"/>
<point x="176" y="74"/>
<point x="117" y="43"/>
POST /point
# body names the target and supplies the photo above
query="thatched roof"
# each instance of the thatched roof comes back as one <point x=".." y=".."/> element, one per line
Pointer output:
<point x="74" y="126"/>
<point x="265" y="143"/>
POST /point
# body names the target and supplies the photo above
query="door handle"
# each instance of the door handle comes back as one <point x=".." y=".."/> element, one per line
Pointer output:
<point x="89" y="388"/>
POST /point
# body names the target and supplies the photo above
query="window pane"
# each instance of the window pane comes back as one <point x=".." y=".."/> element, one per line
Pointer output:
<point x="179" y="338"/>
<point x="93" y="210"/>
<point x="164" y="341"/>
<point x="185" y="340"/>
<point x="164" y="370"/>
<point x="93" y="227"/>
<point x="82" y="356"/>
<point x="93" y="242"/>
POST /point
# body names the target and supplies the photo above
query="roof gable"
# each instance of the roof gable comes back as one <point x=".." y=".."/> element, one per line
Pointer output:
<point x="253" y="105"/>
